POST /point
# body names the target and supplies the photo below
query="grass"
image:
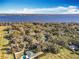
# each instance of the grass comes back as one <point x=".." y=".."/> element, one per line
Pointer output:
<point x="3" y="42"/>
<point x="64" y="54"/>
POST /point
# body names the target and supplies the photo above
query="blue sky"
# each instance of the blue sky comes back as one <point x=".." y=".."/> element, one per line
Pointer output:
<point x="39" y="6"/>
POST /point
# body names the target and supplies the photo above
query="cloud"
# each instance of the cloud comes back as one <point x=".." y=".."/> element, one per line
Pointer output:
<point x="53" y="10"/>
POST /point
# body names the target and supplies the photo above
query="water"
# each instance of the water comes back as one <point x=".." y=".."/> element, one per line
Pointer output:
<point x="40" y="18"/>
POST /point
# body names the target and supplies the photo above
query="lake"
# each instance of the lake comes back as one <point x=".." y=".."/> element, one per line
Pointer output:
<point x="39" y="18"/>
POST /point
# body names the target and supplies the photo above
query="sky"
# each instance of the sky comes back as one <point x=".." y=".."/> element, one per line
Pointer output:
<point x="40" y="6"/>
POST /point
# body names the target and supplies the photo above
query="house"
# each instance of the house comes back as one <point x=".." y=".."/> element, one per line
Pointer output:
<point x="74" y="47"/>
<point x="32" y="55"/>
<point x="28" y="53"/>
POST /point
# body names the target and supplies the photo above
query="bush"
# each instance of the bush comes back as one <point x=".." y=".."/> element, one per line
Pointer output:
<point x="53" y="48"/>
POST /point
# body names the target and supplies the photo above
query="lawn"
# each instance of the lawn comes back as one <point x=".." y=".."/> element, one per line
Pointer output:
<point x="3" y="42"/>
<point x="64" y="54"/>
